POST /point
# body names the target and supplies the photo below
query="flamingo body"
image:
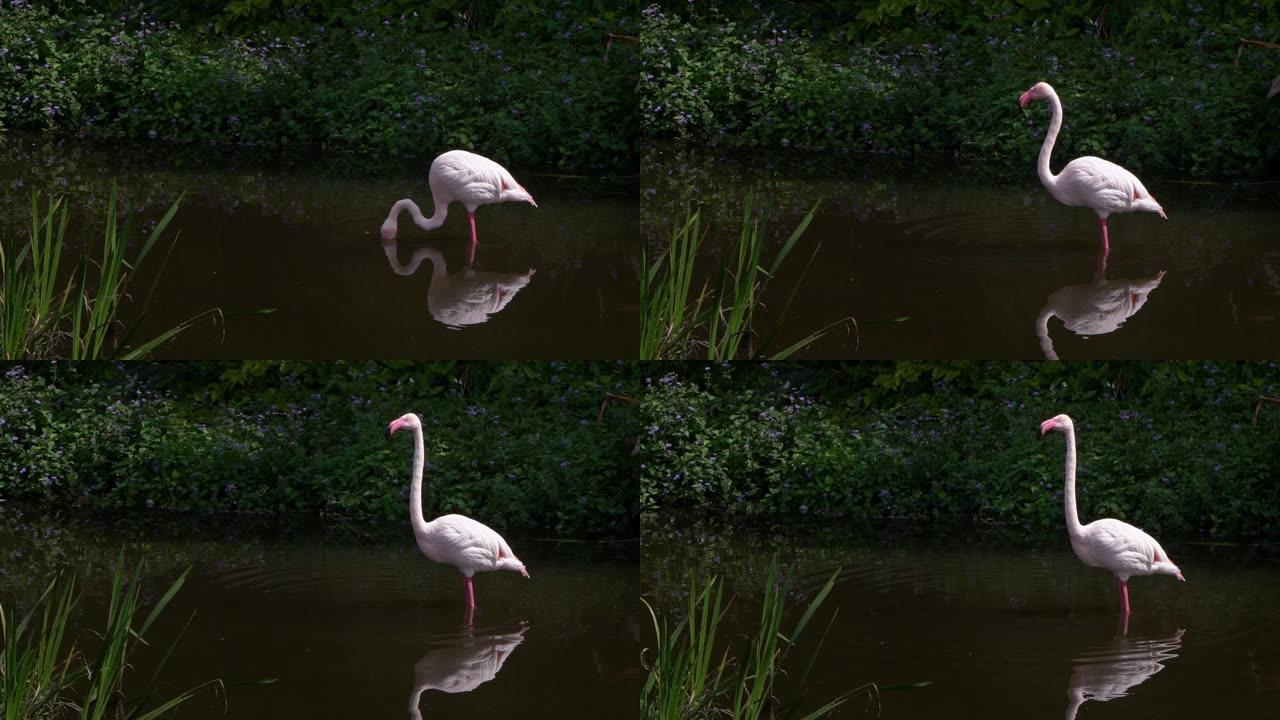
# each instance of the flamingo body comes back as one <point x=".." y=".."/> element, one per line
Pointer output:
<point x="466" y="544"/>
<point x="1087" y="181"/>
<point x="455" y="540"/>
<point x="464" y="177"/>
<point x="1096" y="309"/>
<point x="468" y="297"/>
<point x="1116" y="546"/>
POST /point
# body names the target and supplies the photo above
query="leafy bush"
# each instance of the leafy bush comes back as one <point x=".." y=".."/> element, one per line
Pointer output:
<point x="408" y="87"/>
<point x="1167" y="99"/>
<point x="1169" y="446"/>
<point x="522" y="446"/>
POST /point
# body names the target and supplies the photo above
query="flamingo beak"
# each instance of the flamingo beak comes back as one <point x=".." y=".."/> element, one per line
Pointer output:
<point x="393" y="427"/>
<point x="1045" y="427"/>
<point x="532" y="202"/>
<point x="525" y="572"/>
<point x="1181" y="578"/>
<point x="1024" y="100"/>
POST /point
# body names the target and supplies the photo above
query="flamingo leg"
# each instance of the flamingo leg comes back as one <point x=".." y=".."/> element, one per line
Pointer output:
<point x="471" y="254"/>
<point x="1124" y="596"/>
<point x="471" y="593"/>
<point x="1102" y="223"/>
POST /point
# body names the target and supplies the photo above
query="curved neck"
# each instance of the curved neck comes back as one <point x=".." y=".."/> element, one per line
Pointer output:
<point x="1055" y="124"/>
<point x="1042" y="332"/>
<point x="415" y="486"/>
<point x="1069" y="492"/>
<point x="426" y="223"/>
<point x="439" y="270"/>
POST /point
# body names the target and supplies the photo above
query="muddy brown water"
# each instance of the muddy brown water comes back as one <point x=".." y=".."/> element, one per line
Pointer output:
<point x="357" y="627"/>
<point x="938" y="261"/>
<point x="998" y="626"/>
<point x="297" y="233"/>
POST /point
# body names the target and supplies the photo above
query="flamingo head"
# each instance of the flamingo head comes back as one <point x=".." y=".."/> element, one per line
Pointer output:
<point x="408" y="420"/>
<point x="388" y="230"/>
<point x="1039" y="91"/>
<point x="1061" y="423"/>
<point x="516" y="194"/>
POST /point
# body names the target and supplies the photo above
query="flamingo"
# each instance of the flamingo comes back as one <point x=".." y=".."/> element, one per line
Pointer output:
<point x="1107" y="543"/>
<point x="455" y="540"/>
<point x="468" y="297"/>
<point x="1088" y="181"/>
<point x="470" y="179"/>
<point x="462" y="667"/>
<point x="1098" y="308"/>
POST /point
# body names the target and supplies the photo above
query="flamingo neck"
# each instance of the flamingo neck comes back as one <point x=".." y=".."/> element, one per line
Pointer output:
<point x="1042" y="332"/>
<point x="415" y="486"/>
<point x="1074" y="529"/>
<point x="439" y="269"/>
<point x="426" y="223"/>
<point x="1055" y="124"/>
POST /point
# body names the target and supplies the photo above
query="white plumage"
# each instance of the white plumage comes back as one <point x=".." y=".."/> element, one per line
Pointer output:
<point x="455" y="540"/>
<point x="1088" y="181"/>
<point x="459" y="176"/>
<point x="1095" y="309"/>
<point x="1116" y="546"/>
<point x="463" y="666"/>
<point x="469" y="297"/>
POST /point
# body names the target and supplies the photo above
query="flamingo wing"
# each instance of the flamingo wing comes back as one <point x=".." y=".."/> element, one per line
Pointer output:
<point x="470" y="178"/>
<point x="1122" y="548"/>
<point x="468" y="544"/>
<point x="1099" y="184"/>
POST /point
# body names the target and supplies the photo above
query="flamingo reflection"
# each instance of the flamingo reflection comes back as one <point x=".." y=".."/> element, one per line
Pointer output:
<point x="1113" y="670"/>
<point x="469" y="297"/>
<point x="463" y="665"/>
<point x="1098" y="308"/>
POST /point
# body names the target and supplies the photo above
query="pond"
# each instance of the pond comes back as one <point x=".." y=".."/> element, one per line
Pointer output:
<point x="357" y="626"/>
<point x="998" y="624"/>
<point x="299" y="234"/>
<point x="936" y="261"/>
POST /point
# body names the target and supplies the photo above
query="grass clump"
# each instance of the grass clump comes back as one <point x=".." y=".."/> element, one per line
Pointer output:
<point x="40" y="677"/>
<point x="42" y="315"/>
<point x="718" y="320"/>
<point x="690" y="677"/>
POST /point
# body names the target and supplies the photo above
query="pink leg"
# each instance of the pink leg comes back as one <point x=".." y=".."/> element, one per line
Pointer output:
<point x="1106" y="244"/>
<point x="471" y="254"/>
<point x="471" y="593"/>
<point x="1124" y="596"/>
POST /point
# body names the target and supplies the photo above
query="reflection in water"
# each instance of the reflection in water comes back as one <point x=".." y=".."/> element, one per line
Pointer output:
<point x="463" y="665"/>
<point x="1098" y="308"/>
<point x="1110" y="671"/>
<point x="466" y="298"/>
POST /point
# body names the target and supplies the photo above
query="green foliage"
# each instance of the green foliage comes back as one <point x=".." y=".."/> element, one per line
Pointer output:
<point x="525" y="446"/>
<point x="37" y="319"/>
<point x="1165" y="96"/>
<point x="406" y="87"/>
<point x="1171" y="447"/>
<point x="690" y="677"/>
<point x="40" y="677"/>
<point x="719" y="317"/>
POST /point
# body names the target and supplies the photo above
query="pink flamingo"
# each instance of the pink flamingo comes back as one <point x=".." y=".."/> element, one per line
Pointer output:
<point x="455" y="540"/>
<point x="1088" y="181"/>
<point x="1108" y="543"/>
<point x="464" y="177"/>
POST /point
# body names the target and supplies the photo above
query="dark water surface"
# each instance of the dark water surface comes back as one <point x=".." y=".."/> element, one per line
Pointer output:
<point x="357" y="628"/>
<point x="985" y="264"/>
<point x="1000" y="626"/>
<point x="300" y="234"/>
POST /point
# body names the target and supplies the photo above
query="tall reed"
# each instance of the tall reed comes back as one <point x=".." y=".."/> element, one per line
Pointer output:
<point x="692" y="677"/>
<point x="718" y="320"/>
<point x="42" y="677"/>
<point x="41" y="318"/>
